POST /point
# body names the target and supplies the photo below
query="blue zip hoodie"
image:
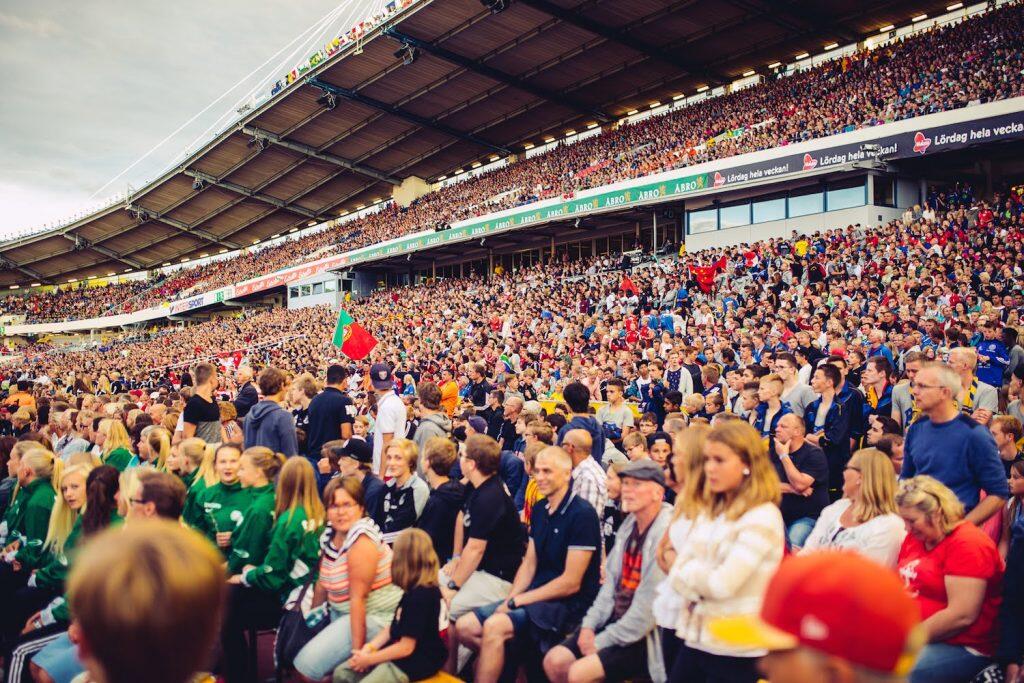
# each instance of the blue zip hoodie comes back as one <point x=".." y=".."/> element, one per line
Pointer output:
<point x="596" y="433"/>
<point x="270" y="425"/>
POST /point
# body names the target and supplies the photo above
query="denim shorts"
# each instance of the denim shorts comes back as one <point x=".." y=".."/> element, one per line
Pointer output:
<point x="520" y="620"/>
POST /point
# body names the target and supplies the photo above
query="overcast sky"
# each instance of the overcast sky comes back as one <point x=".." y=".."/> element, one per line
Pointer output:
<point x="89" y="87"/>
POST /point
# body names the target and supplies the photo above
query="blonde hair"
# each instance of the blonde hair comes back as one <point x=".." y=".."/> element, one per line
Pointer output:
<point x="296" y="487"/>
<point x="928" y="495"/>
<point x="408" y="449"/>
<point x="877" y="488"/>
<point x="760" y="486"/>
<point x="414" y="562"/>
<point x="62" y="517"/>
<point x="200" y="454"/>
<point x="117" y="436"/>
<point x="154" y="625"/>
<point x="265" y="460"/>
<point x="689" y="446"/>
<point x="159" y="440"/>
<point x="128" y="486"/>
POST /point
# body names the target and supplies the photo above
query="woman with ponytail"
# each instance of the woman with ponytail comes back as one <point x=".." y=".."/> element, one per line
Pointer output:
<point x="46" y="582"/>
<point x="257" y="471"/>
<point x="115" y="445"/>
<point x="194" y="465"/>
<point x="58" y="660"/>
<point x="262" y="585"/>
<point x="159" y="441"/>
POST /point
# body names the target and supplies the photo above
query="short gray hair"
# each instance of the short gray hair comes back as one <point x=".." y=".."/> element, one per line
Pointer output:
<point x="946" y="376"/>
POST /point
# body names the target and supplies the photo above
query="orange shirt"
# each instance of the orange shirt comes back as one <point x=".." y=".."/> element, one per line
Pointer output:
<point x="450" y="397"/>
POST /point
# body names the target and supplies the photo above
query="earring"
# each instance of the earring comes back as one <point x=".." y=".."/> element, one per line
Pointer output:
<point x="746" y="472"/>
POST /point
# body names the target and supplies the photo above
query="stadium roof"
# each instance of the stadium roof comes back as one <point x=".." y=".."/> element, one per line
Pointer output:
<point x="482" y="83"/>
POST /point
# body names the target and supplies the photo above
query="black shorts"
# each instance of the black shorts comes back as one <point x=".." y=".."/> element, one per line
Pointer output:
<point x="620" y="663"/>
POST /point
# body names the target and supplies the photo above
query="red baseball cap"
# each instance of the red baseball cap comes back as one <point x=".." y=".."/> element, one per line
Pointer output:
<point x="836" y="602"/>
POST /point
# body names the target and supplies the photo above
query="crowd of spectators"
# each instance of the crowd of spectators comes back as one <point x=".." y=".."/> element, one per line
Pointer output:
<point x="452" y="501"/>
<point x="978" y="60"/>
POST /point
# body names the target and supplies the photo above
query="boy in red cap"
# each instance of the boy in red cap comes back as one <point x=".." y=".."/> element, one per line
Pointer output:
<point x="831" y="616"/>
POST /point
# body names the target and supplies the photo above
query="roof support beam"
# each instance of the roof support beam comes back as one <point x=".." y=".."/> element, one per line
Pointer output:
<point x="11" y="265"/>
<point x="397" y="111"/>
<point x="477" y="66"/>
<point x="185" y="228"/>
<point x="623" y="38"/>
<point x="273" y="139"/>
<point x="254" y="194"/>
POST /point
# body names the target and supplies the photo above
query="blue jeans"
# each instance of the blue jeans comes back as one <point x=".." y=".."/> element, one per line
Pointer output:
<point x="941" y="663"/>
<point x="798" y="531"/>
<point x="333" y="646"/>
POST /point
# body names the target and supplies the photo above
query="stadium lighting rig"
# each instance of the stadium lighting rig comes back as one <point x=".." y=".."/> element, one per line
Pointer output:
<point x="407" y="53"/>
<point x="496" y="5"/>
<point x="328" y="99"/>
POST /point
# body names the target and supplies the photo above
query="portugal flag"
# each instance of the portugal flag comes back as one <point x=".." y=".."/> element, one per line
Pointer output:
<point x="353" y="340"/>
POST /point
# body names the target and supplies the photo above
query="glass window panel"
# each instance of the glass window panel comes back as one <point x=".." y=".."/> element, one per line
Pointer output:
<point x="770" y="210"/>
<point x="734" y="216"/>
<point x="703" y="221"/>
<point x="806" y="202"/>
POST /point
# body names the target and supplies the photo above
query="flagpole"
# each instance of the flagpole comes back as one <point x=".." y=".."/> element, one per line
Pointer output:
<point x="655" y="214"/>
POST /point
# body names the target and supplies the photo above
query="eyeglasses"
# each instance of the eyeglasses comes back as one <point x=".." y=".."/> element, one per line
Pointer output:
<point x="137" y="501"/>
<point x="919" y="385"/>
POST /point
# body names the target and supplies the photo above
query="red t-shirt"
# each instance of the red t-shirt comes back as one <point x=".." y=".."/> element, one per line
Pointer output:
<point x="966" y="551"/>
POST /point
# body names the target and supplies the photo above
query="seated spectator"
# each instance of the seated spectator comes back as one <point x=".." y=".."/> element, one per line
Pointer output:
<point x="892" y="446"/>
<point x="634" y="445"/>
<point x="120" y="639"/>
<point x="355" y="459"/>
<point x="588" y="479"/>
<point x="557" y="581"/>
<point x="803" y="472"/>
<point x="262" y="580"/>
<point x="483" y="566"/>
<point x="406" y="493"/>
<point x="268" y="423"/>
<point x="354" y="589"/>
<point x="870" y="628"/>
<point x="865" y="519"/>
<point x="617" y="640"/>
<point x="1007" y="433"/>
<point x="954" y="571"/>
<point x="733" y="547"/>
<point x="447" y="496"/>
<point x="410" y="648"/>
<point x="612" y="514"/>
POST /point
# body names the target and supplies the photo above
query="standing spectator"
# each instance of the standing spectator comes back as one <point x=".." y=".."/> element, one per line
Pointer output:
<point x="904" y="408"/>
<point x="954" y="571"/>
<point x="447" y="496"/>
<point x="246" y="397"/>
<point x="616" y="418"/>
<point x="617" y="639"/>
<point x="433" y="422"/>
<point x="390" y="423"/>
<point x="798" y="395"/>
<point x="1007" y="432"/>
<point x="331" y="414"/>
<point x="156" y="625"/>
<point x="449" y="392"/>
<point x="828" y="425"/>
<point x="577" y="396"/>
<point x="865" y="519"/>
<point x="867" y="629"/>
<point x="201" y="416"/>
<point x="803" y="471"/>
<point x="268" y="423"/>
<point x="557" y="581"/>
<point x="993" y="356"/>
<point x="952" y="447"/>
<point x="732" y="550"/>
<point x="479" y="388"/>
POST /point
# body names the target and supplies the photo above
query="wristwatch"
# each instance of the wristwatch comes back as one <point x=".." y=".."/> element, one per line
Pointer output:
<point x="452" y="585"/>
<point x="510" y="603"/>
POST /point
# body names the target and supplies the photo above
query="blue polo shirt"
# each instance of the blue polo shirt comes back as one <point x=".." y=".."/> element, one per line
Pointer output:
<point x="573" y="526"/>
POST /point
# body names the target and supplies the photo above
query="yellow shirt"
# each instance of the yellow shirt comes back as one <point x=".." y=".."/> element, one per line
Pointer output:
<point x="801" y="248"/>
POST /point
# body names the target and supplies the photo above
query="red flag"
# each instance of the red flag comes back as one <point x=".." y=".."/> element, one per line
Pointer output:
<point x="705" y="277"/>
<point x="627" y="285"/>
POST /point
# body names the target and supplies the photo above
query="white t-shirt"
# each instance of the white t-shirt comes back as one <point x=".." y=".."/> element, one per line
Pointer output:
<point x="390" y="420"/>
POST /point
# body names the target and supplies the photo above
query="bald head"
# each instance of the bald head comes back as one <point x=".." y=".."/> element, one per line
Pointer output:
<point x="578" y="443"/>
<point x="793" y="423"/>
<point x="557" y="458"/>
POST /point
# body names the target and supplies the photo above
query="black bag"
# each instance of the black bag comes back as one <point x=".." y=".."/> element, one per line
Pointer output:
<point x="293" y="632"/>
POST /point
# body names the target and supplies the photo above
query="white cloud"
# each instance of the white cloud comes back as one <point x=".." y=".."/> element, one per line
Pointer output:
<point x="41" y="27"/>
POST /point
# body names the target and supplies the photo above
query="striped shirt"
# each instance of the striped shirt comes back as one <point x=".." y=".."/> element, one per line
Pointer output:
<point x="334" y="574"/>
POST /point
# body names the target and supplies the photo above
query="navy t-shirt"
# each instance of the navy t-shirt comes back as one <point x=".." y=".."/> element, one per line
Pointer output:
<point x="573" y="526"/>
<point x="327" y="412"/>
<point x="418" y="617"/>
